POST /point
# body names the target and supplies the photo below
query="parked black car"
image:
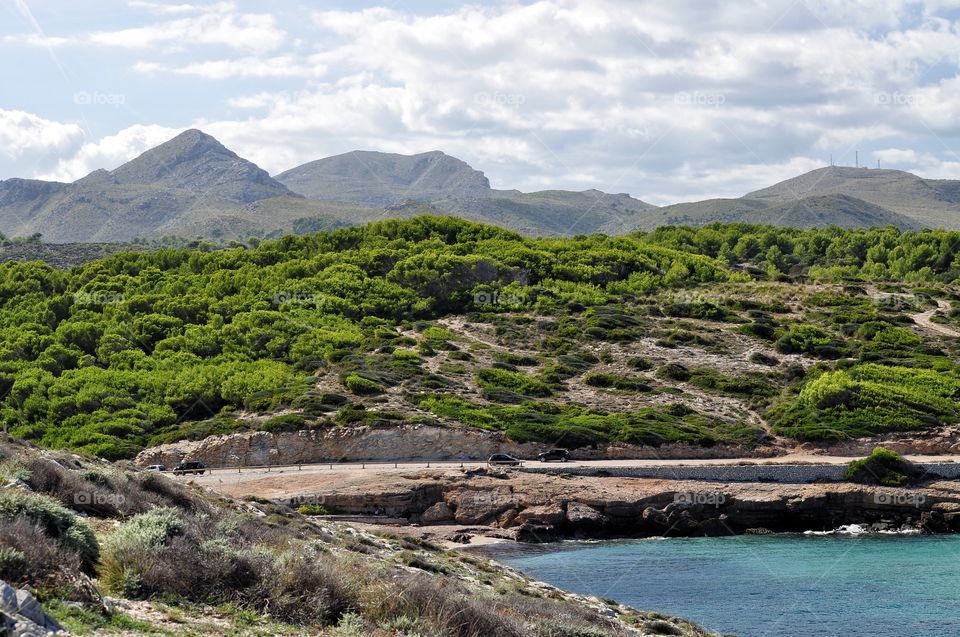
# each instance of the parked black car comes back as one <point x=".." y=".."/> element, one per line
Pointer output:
<point x="503" y="459"/>
<point x="559" y="455"/>
<point x="191" y="466"/>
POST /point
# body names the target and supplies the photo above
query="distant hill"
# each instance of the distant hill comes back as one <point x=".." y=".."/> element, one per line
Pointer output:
<point x="835" y="195"/>
<point x="819" y="211"/>
<point x="808" y="212"/>
<point x="193" y="186"/>
<point x="385" y="179"/>
<point x="441" y="183"/>
<point x="932" y="202"/>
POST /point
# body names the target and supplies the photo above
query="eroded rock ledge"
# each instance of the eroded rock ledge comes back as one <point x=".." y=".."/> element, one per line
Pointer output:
<point x="535" y="507"/>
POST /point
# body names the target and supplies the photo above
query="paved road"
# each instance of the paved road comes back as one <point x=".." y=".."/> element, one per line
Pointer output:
<point x="236" y="476"/>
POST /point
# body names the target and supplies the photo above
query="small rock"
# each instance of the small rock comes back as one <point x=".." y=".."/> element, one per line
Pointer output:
<point x="760" y="530"/>
<point x="536" y="533"/>
<point x="461" y="538"/>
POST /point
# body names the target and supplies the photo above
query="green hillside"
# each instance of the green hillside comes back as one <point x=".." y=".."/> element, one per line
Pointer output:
<point x="724" y="334"/>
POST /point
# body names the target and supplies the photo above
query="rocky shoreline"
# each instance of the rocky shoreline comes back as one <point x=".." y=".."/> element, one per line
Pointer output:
<point x="541" y="508"/>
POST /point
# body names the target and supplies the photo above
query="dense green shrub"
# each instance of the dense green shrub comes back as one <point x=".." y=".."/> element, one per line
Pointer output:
<point x="575" y="426"/>
<point x="194" y="334"/>
<point x="362" y="386"/>
<point x="284" y="423"/>
<point x="640" y="363"/>
<point x="884" y="467"/>
<point x="519" y="360"/>
<point x="312" y="509"/>
<point x="746" y="384"/>
<point x="615" y="381"/>
<point x="803" y="338"/>
<point x="674" y="371"/>
<point x="517" y="382"/>
<point x="760" y="358"/>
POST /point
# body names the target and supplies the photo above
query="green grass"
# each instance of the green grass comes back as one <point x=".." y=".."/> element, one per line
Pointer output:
<point x="83" y="621"/>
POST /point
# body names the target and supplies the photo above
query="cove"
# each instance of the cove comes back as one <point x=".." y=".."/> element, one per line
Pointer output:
<point x="760" y="586"/>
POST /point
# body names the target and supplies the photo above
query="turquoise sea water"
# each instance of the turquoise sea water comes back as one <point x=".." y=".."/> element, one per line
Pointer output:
<point x="769" y="586"/>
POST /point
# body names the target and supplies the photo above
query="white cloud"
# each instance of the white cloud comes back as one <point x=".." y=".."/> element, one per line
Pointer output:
<point x="162" y="8"/>
<point x="110" y="152"/>
<point x="219" y="24"/>
<point x="36" y="39"/>
<point x="926" y="164"/>
<point x="283" y="66"/>
<point x="667" y="101"/>
<point x="25" y="134"/>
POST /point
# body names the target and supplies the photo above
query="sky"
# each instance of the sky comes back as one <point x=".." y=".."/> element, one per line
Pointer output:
<point x="668" y="101"/>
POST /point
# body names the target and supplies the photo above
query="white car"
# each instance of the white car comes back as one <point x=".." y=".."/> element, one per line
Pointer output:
<point x="157" y="467"/>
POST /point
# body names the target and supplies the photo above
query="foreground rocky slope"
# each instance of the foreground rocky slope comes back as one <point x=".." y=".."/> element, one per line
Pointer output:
<point x="110" y="551"/>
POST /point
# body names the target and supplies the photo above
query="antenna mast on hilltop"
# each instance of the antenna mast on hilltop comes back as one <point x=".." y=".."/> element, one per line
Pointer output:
<point x="857" y="155"/>
<point x="831" y="159"/>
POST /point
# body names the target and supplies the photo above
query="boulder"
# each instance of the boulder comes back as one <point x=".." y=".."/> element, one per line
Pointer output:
<point x="437" y="514"/>
<point x="715" y="527"/>
<point x="21" y="614"/>
<point x="551" y="513"/>
<point x="506" y="518"/>
<point x="582" y="515"/>
<point x="947" y="507"/>
<point x="933" y="522"/>
<point x="477" y="507"/>
<point x="952" y="520"/>
<point x="655" y="516"/>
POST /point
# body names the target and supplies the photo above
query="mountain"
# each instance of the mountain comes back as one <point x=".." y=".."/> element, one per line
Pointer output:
<point x="190" y="186"/>
<point x="819" y="211"/>
<point x="385" y="179"/>
<point x="933" y="202"/>
<point x="193" y="186"/>
<point x="816" y="211"/>
<point x="197" y="162"/>
<point x="440" y="183"/>
<point x="834" y="195"/>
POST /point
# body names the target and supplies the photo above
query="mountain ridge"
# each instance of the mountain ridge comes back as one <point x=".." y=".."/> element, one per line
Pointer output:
<point x="194" y="186"/>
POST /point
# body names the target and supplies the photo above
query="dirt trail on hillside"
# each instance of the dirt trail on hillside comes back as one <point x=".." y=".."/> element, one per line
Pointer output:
<point x="923" y="319"/>
<point x="920" y="319"/>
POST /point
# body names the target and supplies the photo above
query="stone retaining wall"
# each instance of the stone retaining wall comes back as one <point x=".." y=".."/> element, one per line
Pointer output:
<point x="781" y="473"/>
